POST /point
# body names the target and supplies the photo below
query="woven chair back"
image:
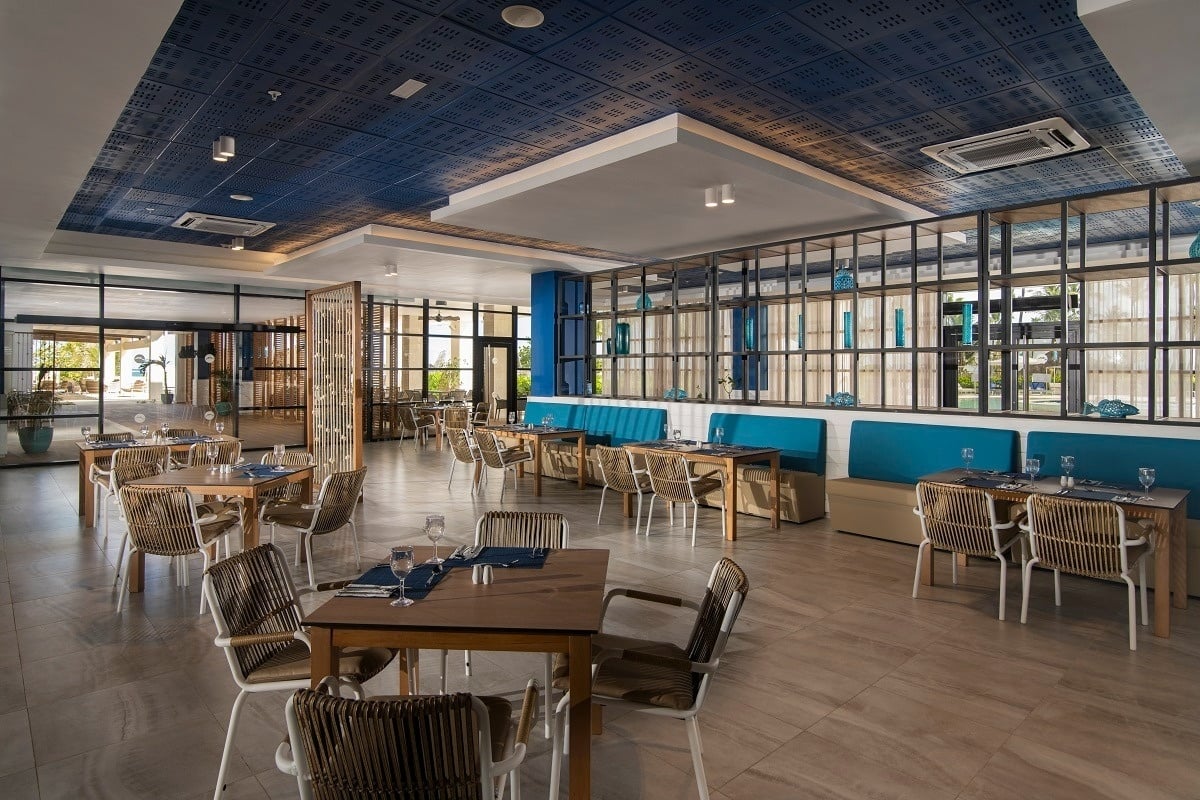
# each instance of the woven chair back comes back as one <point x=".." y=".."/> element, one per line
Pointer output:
<point x="176" y="433"/>
<point x="153" y="454"/>
<point x="617" y="469"/>
<point x="522" y="529"/>
<point x="228" y="452"/>
<point x="669" y="477"/>
<point x="291" y="458"/>
<point x="161" y="520"/>
<point x="489" y="449"/>
<point x="460" y="445"/>
<point x="338" y="499"/>
<point x="109" y="438"/>
<point x="456" y="417"/>
<point x="126" y="473"/>
<point x="958" y="518"/>
<point x="1082" y="537"/>
<point x="420" y="747"/>
<point x="727" y="579"/>
<point x="253" y="596"/>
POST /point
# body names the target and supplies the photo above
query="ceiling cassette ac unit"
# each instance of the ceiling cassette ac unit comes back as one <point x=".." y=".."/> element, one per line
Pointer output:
<point x="1011" y="146"/>
<point x="226" y="226"/>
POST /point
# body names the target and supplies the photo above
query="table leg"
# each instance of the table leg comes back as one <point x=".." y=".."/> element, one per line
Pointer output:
<point x="323" y="658"/>
<point x="627" y="504"/>
<point x="437" y="431"/>
<point x="731" y="504"/>
<point x="582" y="442"/>
<point x="775" y="491"/>
<point x="87" y="496"/>
<point x="1179" y="551"/>
<point x="405" y="685"/>
<point x="137" y="572"/>
<point x="250" y="522"/>
<point x="580" y="711"/>
<point x="537" y="466"/>
<point x="1162" y="582"/>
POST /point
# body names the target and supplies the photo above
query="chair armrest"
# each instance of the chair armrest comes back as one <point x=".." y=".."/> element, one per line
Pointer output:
<point x="649" y="597"/>
<point x="247" y="639"/>
<point x="330" y="586"/>
<point x="529" y="710"/>
<point x="640" y="657"/>
<point x="1020" y="519"/>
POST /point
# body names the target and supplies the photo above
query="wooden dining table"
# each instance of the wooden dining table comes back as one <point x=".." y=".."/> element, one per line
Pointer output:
<point x="1165" y="507"/>
<point x="200" y="481"/>
<point x="554" y="609"/>
<point x="536" y="435"/>
<point x="727" y="457"/>
<point x="90" y="453"/>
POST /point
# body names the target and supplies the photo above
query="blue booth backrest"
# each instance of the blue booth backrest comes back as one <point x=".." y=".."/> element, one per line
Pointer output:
<point x="618" y="425"/>
<point x="902" y="452"/>
<point x="801" y="440"/>
<point x="1115" y="459"/>
<point x="566" y="415"/>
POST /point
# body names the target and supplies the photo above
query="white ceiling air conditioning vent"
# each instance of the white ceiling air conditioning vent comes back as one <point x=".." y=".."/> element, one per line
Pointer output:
<point x="226" y="226"/>
<point x="1020" y="145"/>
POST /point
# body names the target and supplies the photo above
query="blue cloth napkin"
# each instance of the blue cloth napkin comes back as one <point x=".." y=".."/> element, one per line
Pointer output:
<point x="263" y="470"/>
<point x="523" y="556"/>
<point x="417" y="586"/>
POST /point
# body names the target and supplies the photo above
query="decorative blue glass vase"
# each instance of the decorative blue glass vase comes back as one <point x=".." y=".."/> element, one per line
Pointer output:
<point x="843" y="278"/>
<point x="1194" y="250"/>
<point x="644" y="303"/>
<point x="621" y="338"/>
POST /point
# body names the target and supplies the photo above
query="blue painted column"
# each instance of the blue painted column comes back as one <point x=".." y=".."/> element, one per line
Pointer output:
<point x="543" y="305"/>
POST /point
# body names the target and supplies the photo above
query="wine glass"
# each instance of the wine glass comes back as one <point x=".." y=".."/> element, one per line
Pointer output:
<point x="1068" y="466"/>
<point x="402" y="564"/>
<point x="1033" y="466"/>
<point x="512" y="418"/>
<point x="145" y="434"/>
<point x="163" y="428"/>
<point x="279" y="451"/>
<point x="86" y="432"/>
<point x="676" y="434"/>
<point x="435" y="527"/>
<point x="219" y="428"/>
<point x="968" y="455"/>
<point x="720" y="433"/>
<point x="212" y="450"/>
<point x="666" y="430"/>
<point x="1146" y="477"/>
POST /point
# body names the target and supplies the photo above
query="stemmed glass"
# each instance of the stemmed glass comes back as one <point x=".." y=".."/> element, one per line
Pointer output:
<point x="435" y="528"/>
<point x="1146" y="477"/>
<point x="512" y="418"/>
<point x="145" y="433"/>
<point x="968" y="455"/>
<point x="675" y="434"/>
<point x="212" y="450"/>
<point x="720" y="432"/>
<point x="219" y="428"/>
<point x="402" y="564"/>
<point x="279" y="451"/>
<point x="162" y="430"/>
<point x="1068" y="466"/>
<point x="1033" y="466"/>
<point x="86" y="432"/>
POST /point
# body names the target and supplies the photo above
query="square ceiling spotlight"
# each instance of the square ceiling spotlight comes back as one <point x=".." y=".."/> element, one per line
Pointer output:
<point x="408" y="88"/>
<point x="636" y="193"/>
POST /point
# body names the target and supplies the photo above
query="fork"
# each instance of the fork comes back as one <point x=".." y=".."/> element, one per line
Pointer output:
<point x="498" y="564"/>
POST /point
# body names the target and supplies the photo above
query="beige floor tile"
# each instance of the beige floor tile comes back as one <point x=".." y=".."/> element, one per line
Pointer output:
<point x="20" y="785"/>
<point x="16" y="746"/>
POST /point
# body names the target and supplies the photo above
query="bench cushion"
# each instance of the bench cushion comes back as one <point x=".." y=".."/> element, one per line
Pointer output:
<point x="901" y="452"/>
<point x="801" y="440"/>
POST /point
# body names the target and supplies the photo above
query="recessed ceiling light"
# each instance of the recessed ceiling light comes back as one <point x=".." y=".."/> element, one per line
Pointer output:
<point x="243" y="197"/>
<point x="408" y="88"/>
<point x="522" y="16"/>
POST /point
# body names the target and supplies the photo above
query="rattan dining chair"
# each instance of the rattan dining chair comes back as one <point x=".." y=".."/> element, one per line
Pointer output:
<point x="103" y="483"/>
<point x="180" y="433"/>
<point x="618" y="472"/>
<point x="443" y="747"/>
<point x="658" y="677"/>
<point x="456" y="417"/>
<point x="287" y="492"/>
<point x="480" y="417"/>
<point x="257" y="615"/>
<point x="545" y="529"/>
<point x="229" y="451"/>
<point x="332" y="511"/>
<point x="162" y="521"/>
<point x="962" y="519"/>
<point x="496" y="456"/>
<point x="672" y="480"/>
<point x="1089" y="538"/>
<point x="465" y="451"/>
<point x="416" y="424"/>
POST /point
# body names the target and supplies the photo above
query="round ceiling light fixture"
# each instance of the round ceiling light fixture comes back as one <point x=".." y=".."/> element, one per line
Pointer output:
<point x="522" y="16"/>
<point x="245" y="198"/>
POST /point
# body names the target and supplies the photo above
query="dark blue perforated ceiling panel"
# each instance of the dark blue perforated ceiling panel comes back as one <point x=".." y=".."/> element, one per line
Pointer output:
<point x="854" y="87"/>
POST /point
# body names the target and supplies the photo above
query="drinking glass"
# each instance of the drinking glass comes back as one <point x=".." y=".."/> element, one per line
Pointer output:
<point x="145" y="433"/>
<point x="1033" y="466"/>
<point x="546" y="421"/>
<point x="676" y="434"/>
<point x="219" y="428"/>
<point x="1146" y="477"/>
<point x="968" y="455"/>
<point x="666" y="430"/>
<point x="279" y="451"/>
<point x="402" y="564"/>
<point x="86" y="432"/>
<point x="512" y="418"/>
<point x="212" y="450"/>
<point x="1068" y="466"/>
<point x="435" y="527"/>
<point x="163" y="428"/>
<point x="720" y="432"/>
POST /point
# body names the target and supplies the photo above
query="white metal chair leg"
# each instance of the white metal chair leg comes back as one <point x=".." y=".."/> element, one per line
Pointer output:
<point x="650" y="514"/>
<point x="1057" y="588"/>
<point x="1142" y="588"/>
<point x="121" y="590"/>
<point x="467" y="662"/>
<point x="1129" y="588"/>
<point x="453" y="461"/>
<point x="549" y="686"/>
<point x="558" y="739"/>
<point x="693" y="728"/>
<point x="920" y="555"/>
<point x="695" y="519"/>
<point x="354" y="540"/>
<point x="234" y="717"/>
<point x="444" y="654"/>
<point x="638" y="519"/>
<point x="1026" y="580"/>
<point x="600" y="513"/>
<point x="120" y="556"/>
<point x="1003" y="585"/>
<point x="312" y="580"/>
<point x="954" y="568"/>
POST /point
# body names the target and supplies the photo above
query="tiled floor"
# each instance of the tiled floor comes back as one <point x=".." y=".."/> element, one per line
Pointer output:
<point x="837" y="684"/>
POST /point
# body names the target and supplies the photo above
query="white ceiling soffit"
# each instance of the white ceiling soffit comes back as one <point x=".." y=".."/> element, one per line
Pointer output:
<point x="1152" y="46"/>
<point x="429" y="265"/>
<point x="642" y="192"/>
<point x="67" y="68"/>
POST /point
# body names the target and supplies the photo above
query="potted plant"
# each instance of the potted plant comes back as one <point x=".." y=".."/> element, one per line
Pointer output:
<point x="731" y="385"/>
<point x="167" y="397"/>
<point x="38" y="405"/>
<point x="223" y="379"/>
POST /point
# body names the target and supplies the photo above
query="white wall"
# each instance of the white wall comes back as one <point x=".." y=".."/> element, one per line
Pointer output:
<point x="692" y="419"/>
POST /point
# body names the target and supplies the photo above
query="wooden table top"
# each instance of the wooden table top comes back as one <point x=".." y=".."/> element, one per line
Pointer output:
<point x="200" y="479"/>
<point x="705" y="451"/>
<point x="176" y="445"/>
<point x="536" y="430"/>
<point x="565" y="596"/>
<point x="1161" y="497"/>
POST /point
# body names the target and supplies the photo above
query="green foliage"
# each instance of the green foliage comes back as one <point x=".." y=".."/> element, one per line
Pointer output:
<point x="965" y="381"/>
<point x="73" y="361"/>
<point x="444" y="375"/>
<point x="524" y="384"/>
<point x="33" y="403"/>
<point x="525" y="356"/>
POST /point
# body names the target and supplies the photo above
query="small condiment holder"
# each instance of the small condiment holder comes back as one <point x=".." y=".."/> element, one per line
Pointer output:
<point x="481" y="573"/>
<point x="225" y="469"/>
